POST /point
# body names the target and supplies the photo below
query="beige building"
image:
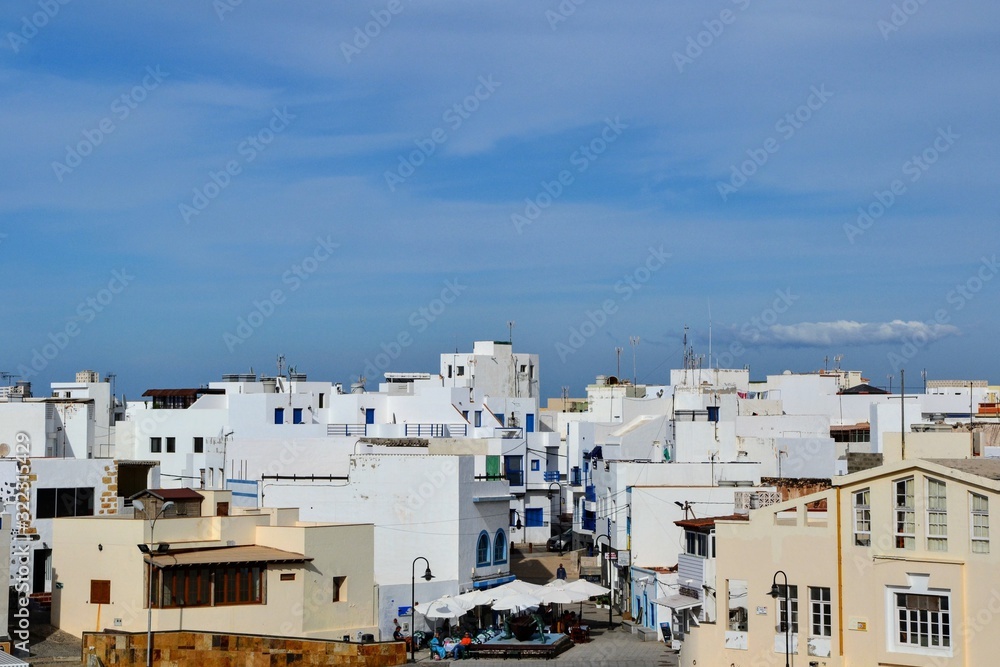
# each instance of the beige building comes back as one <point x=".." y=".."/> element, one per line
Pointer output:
<point x="252" y="572"/>
<point x="893" y="566"/>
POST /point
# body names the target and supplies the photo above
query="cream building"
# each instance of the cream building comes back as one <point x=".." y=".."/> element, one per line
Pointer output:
<point x="254" y="572"/>
<point x="893" y="566"/>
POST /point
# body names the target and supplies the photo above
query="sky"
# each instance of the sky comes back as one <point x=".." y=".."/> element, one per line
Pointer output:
<point x="193" y="188"/>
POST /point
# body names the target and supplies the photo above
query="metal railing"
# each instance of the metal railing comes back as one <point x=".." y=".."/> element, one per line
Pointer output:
<point x="346" y="429"/>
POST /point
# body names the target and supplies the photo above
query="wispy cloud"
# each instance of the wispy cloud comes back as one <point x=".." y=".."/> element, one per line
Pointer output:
<point x="847" y="332"/>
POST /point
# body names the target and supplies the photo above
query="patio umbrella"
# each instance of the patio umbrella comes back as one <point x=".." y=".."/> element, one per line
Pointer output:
<point x="476" y="598"/>
<point x="443" y="607"/>
<point x="516" y="602"/>
<point x="516" y="586"/>
<point x="556" y="594"/>
<point x="584" y="586"/>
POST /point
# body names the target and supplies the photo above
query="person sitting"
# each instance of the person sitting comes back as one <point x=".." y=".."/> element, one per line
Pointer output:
<point x="397" y="632"/>
<point x="437" y="649"/>
<point x="462" y="647"/>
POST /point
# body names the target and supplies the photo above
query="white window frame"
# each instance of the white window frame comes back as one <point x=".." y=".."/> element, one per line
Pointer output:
<point x="979" y="521"/>
<point x="937" y="514"/>
<point x="820" y="612"/>
<point x="862" y="518"/>
<point x="919" y="624"/>
<point x="793" y="599"/>
<point x="904" y="515"/>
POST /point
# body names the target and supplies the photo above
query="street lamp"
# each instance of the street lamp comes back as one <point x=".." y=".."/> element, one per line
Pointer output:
<point x="516" y="525"/>
<point x="549" y="496"/>
<point x="776" y="593"/>
<point x="413" y="600"/>
<point x="611" y="590"/>
<point x="148" y="550"/>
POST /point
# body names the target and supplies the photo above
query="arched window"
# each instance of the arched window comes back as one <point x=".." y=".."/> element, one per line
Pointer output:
<point x="500" y="548"/>
<point x="483" y="550"/>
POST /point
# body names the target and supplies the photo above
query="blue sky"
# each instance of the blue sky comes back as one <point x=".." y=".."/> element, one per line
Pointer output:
<point x="191" y="188"/>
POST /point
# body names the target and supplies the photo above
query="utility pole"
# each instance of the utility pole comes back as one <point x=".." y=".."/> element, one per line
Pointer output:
<point x="902" y="413"/>
<point x="618" y="351"/>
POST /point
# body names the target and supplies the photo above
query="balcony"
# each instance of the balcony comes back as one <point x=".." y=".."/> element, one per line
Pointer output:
<point x="552" y="476"/>
<point x="590" y="495"/>
<point x="576" y="476"/>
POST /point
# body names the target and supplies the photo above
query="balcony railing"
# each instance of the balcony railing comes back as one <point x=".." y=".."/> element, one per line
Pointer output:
<point x="552" y="476"/>
<point x="346" y="429"/>
<point x="435" y="430"/>
<point x="576" y="476"/>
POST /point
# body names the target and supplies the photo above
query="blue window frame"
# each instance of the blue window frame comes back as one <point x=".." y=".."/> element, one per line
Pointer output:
<point x="500" y="548"/>
<point x="534" y="517"/>
<point x="279" y="415"/>
<point x="483" y="549"/>
<point x="535" y="464"/>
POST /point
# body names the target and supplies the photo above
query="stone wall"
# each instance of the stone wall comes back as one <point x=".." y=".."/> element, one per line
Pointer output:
<point x="194" y="649"/>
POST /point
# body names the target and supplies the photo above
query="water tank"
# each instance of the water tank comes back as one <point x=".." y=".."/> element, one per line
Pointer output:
<point x="297" y="377"/>
<point x="231" y="377"/>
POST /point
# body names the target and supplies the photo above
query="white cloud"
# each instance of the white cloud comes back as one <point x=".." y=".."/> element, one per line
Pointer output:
<point x="848" y="332"/>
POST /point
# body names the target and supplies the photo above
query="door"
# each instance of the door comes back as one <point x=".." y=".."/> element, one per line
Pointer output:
<point x="369" y="415"/>
<point x="41" y="575"/>
<point x="529" y="423"/>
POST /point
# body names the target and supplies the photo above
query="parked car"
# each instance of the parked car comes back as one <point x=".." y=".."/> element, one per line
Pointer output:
<point x="561" y="542"/>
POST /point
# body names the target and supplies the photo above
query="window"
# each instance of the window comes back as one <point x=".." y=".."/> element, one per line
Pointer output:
<point x="57" y="503"/>
<point x="296" y="415"/>
<point x="449" y="370"/>
<point x="514" y="470"/>
<point x="923" y="620"/>
<point x="500" y="548"/>
<point x="100" y="591"/>
<point x="905" y="514"/>
<point x="483" y="550"/>
<point x="793" y="602"/>
<point x="820" y="612"/>
<point x="862" y="518"/>
<point x="980" y="506"/>
<point x="500" y="418"/>
<point x="199" y="445"/>
<point x="171" y="445"/>
<point x="479" y="419"/>
<point x="739" y="612"/>
<point x="239" y="585"/>
<point x="535" y="464"/>
<point x="156" y="445"/>
<point x="322" y="398"/>
<point x="288" y="576"/>
<point x="460" y="371"/>
<point x="279" y="415"/>
<point x="340" y="589"/>
<point x="695" y="544"/>
<point x="534" y="517"/>
<point x="937" y="516"/>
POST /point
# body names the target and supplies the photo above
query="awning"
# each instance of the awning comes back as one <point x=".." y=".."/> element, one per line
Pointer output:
<point x="8" y="659"/>
<point x="678" y="602"/>
<point x="496" y="581"/>
<point x="226" y="556"/>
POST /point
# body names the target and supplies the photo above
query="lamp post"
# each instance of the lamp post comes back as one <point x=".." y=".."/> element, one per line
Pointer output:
<point x="549" y="496"/>
<point x="413" y="600"/>
<point x="611" y="590"/>
<point x="148" y="550"/>
<point x="776" y="593"/>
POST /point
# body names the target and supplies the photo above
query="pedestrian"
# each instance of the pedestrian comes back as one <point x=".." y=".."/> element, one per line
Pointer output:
<point x="561" y="572"/>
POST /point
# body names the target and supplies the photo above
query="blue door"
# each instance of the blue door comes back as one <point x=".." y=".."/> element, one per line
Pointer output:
<point x="279" y="415"/>
<point x="369" y="415"/>
<point x="529" y="423"/>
